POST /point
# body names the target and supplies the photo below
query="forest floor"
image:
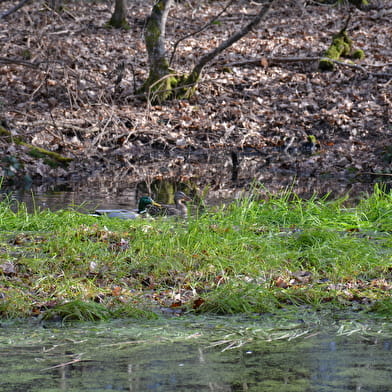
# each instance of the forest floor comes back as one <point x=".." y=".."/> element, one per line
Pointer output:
<point x="60" y="90"/>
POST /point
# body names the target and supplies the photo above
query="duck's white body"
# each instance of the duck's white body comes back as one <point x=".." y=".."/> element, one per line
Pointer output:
<point x="120" y="214"/>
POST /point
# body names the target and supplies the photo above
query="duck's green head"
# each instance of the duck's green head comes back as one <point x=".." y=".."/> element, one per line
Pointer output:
<point x="144" y="202"/>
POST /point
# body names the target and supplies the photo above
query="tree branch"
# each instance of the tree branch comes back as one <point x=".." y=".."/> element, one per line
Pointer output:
<point x="13" y="9"/>
<point x="230" y="41"/>
<point x="199" y="30"/>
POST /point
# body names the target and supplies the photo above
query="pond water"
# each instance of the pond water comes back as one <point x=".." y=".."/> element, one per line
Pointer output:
<point x="194" y="353"/>
<point x="87" y="197"/>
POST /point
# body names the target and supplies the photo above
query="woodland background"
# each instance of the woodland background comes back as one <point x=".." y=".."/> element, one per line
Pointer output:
<point x="262" y="110"/>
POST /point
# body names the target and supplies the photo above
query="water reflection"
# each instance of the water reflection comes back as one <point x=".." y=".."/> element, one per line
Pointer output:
<point x="192" y="355"/>
<point x="105" y="194"/>
<point x="94" y="196"/>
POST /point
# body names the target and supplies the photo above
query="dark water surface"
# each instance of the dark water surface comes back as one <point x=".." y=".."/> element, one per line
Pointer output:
<point x="198" y="354"/>
<point x="90" y="196"/>
<point x="65" y="197"/>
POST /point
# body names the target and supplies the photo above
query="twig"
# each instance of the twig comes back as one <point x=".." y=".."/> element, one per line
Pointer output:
<point x="6" y="60"/>
<point x="133" y="77"/>
<point x="199" y="30"/>
<point x="13" y="9"/>
<point x="377" y="174"/>
<point x="10" y="60"/>
<point x="151" y="95"/>
<point x="363" y="69"/>
<point x="271" y="60"/>
<point x="77" y="359"/>
<point x="65" y="125"/>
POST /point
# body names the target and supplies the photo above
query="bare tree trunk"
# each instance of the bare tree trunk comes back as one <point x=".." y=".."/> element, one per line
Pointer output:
<point x="159" y="75"/>
<point x="119" y="16"/>
<point x="155" y="38"/>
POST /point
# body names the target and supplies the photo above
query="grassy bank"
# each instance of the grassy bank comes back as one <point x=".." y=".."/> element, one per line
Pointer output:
<point x="249" y="256"/>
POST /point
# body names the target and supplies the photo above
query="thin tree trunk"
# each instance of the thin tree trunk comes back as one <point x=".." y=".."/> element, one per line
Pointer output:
<point x="155" y="40"/>
<point x="119" y="17"/>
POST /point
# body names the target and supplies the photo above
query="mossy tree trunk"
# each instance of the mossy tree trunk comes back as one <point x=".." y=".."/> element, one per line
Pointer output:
<point x="119" y="16"/>
<point x="159" y="79"/>
<point x="163" y="83"/>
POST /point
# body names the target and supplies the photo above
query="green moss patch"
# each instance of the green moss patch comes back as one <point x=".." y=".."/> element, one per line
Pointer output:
<point x="341" y="47"/>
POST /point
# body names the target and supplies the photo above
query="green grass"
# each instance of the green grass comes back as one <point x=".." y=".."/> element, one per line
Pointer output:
<point x="249" y="256"/>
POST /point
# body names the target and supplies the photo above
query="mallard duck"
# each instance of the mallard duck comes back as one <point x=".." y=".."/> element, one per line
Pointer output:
<point x="145" y="202"/>
<point x="178" y="209"/>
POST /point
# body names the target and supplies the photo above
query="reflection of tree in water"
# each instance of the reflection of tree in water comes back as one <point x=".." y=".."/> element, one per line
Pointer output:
<point x="212" y="177"/>
<point x="256" y="353"/>
<point x="225" y="172"/>
<point x="325" y="362"/>
<point x="162" y="190"/>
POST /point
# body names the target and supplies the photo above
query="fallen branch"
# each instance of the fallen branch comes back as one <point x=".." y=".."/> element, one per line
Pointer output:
<point x="265" y="61"/>
<point x="76" y="360"/>
<point x="13" y="9"/>
<point x="268" y="61"/>
<point x="6" y="60"/>
<point x="38" y="152"/>
<point x="377" y="174"/>
<point x="363" y="69"/>
<point x="61" y="124"/>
